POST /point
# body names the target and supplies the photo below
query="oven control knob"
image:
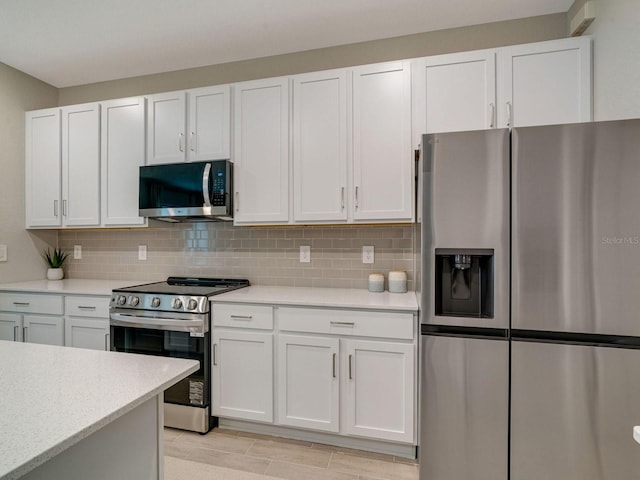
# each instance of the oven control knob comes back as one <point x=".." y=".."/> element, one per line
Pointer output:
<point x="122" y="300"/>
<point x="155" y="303"/>
<point x="177" y="303"/>
<point x="134" y="301"/>
<point x="193" y="304"/>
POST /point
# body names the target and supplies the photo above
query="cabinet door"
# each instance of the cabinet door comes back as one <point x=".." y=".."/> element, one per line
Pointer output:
<point x="320" y="146"/>
<point x="308" y="382"/>
<point x="81" y="165"/>
<point x="43" y="329"/>
<point x="382" y="156"/>
<point x="379" y="390"/>
<point x="209" y="123"/>
<point x="457" y="92"/>
<point x="123" y="138"/>
<point x="90" y="333"/>
<point x="242" y="375"/>
<point x="43" y="168"/>
<point x="545" y="83"/>
<point x="10" y="327"/>
<point x="166" y="141"/>
<point x="261" y="152"/>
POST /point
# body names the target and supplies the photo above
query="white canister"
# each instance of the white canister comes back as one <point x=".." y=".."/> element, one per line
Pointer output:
<point x="397" y="281"/>
<point x="376" y="282"/>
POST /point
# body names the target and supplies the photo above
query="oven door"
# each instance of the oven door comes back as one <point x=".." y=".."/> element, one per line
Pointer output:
<point x="193" y="390"/>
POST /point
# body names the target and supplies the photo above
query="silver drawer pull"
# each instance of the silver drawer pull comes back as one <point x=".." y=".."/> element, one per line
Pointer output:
<point x="343" y="324"/>
<point x="82" y="307"/>
<point x="21" y="304"/>
<point x="241" y="317"/>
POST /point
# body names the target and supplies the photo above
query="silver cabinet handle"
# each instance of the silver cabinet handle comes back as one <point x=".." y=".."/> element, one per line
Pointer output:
<point x="21" y="304"/>
<point x="350" y="369"/>
<point x="205" y="185"/>
<point x="86" y="307"/>
<point x="107" y="345"/>
<point x="237" y="202"/>
<point x="492" y="115"/>
<point x="215" y="364"/>
<point x="334" y="365"/>
<point x="342" y="198"/>
<point x="241" y="317"/>
<point x="15" y="333"/>
<point x="64" y="208"/>
<point x="181" y="142"/>
<point x="55" y="208"/>
<point x="24" y="334"/>
<point x="342" y="324"/>
<point x="356" y="203"/>
<point x="193" y="141"/>
<point x="509" y="114"/>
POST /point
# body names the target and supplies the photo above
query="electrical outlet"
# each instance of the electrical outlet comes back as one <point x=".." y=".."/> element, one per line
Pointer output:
<point x="305" y="254"/>
<point x="3" y="253"/>
<point x="77" y="252"/>
<point x="367" y="254"/>
<point x="142" y="252"/>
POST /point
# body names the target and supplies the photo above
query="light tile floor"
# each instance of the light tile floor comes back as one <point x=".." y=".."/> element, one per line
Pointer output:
<point x="284" y="458"/>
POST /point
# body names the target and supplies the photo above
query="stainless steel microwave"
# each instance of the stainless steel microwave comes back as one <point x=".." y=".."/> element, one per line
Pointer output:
<point x="187" y="192"/>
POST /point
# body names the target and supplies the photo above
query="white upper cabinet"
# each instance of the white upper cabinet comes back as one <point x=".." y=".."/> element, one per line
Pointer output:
<point x="123" y="148"/>
<point x="545" y="83"/>
<point x="209" y="123"/>
<point x="166" y="137"/>
<point x="43" y="173"/>
<point x="455" y="92"/>
<point x="320" y="146"/>
<point x="382" y="154"/>
<point x="261" y="151"/>
<point x="81" y="165"/>
<point x="206" y="135"/>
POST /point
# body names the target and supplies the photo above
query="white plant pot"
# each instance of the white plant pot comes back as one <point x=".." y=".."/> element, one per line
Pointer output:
<point x="55" y="273"/>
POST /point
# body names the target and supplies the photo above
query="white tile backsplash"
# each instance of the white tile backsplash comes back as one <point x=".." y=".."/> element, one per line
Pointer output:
<point x="264" y="255"/>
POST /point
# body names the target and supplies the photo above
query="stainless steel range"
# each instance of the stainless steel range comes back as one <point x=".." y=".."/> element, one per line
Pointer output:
<point x="172" y="319"/>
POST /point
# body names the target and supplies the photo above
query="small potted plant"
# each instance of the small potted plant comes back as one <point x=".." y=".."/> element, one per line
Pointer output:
<point x="54" y="261"/>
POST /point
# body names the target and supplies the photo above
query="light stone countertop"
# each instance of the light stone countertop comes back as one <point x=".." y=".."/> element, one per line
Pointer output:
<point x="53" y="397"/>
<point x="321" y="297"/>
<point x="72" y="286"/>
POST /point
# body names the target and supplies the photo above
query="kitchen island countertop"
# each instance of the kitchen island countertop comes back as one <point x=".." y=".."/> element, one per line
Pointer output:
<point x="54" y="397"/>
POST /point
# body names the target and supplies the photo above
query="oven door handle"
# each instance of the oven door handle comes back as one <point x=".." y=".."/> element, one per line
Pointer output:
<point x="124" y="320"/>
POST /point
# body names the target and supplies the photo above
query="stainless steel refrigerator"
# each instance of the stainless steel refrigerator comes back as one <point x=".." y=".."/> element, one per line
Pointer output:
<point x="557" y="397"/>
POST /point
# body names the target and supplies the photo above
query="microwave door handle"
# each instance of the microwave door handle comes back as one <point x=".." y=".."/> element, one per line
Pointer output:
<point x="205" y="185"/>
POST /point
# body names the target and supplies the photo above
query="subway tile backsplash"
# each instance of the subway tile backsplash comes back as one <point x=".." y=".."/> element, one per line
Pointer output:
<point x="264" y="255"/>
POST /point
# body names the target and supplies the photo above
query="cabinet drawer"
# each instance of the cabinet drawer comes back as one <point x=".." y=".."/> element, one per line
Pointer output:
<point x="245" y="316"/>
<point x="347" y="322"/>
<point x="31" y="303"/>
<point x="83" y="306"/>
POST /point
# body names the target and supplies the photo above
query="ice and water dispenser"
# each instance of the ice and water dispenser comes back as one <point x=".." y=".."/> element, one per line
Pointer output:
<point x="464" y="282"/>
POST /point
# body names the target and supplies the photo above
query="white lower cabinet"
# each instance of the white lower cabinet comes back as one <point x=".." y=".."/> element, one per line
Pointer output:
<point x="379" y="389"/>
<point x="242" y="374"/>
<point x="308" y="382"/>
<point x="87" y="322"/>
<point x="34" y="318"/>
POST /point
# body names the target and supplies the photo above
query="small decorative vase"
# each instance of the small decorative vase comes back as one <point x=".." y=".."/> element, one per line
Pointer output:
<point x="55" y="273"/>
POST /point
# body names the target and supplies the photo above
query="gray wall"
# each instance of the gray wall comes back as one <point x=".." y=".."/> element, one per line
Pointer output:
<point x="19" y="93"/>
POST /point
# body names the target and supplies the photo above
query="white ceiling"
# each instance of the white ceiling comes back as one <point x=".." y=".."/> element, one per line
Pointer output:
<point x="74" y="42"/>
